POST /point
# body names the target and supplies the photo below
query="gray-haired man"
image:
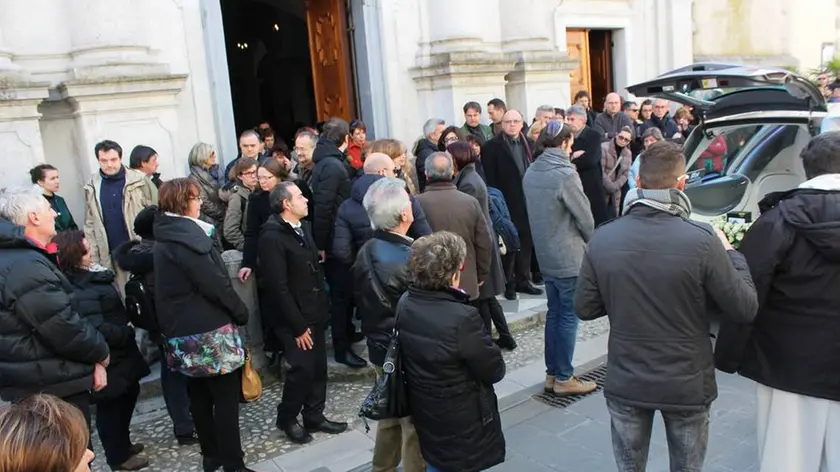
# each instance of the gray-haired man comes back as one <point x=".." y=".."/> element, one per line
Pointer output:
<point x="380" y="276"/>
<point x="427" y="145"/>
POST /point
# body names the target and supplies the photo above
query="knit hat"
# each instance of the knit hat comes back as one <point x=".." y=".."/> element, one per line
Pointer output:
<point x="145" y="221"/>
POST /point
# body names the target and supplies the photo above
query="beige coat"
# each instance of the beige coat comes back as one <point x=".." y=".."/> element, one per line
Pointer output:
<point x="615" y="175"/>
<point x="138" y="193"/>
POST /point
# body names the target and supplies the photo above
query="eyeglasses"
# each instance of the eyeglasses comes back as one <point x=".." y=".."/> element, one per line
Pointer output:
<point x="634" y="110"/>
<point x="451" y="139"/>
<point x="250" y="173"/>
<point x="623" y="139"/>
<point x="298" y="149"/>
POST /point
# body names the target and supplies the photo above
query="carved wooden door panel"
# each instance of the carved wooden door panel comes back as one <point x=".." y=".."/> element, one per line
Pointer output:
<point x="330" y="55"/>
<point x="577" y="46"/>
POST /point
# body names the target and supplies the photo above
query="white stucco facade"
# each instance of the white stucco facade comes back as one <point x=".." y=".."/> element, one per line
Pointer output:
<point x="154" y="72"/>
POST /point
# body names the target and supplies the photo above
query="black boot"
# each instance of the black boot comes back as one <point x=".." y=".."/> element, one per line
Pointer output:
<point x="528" y="288"/>
<point x="295" y="432"/>
<point x="510" y="292"/>
<point x="350" y="359"/>
<point x="497" y="315"/>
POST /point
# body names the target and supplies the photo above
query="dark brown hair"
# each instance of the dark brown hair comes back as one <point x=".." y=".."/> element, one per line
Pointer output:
<point x="683" y="112"/>
<point x="71" y="249"/>
<point x="661" y="165"/>
<point x="174" y="195"/>
<point x="242" y="164"/>
<point x="42" y="433"/>
<point x="554" y="134"/>
<point x="582" y="94"/>
<point x="448" y="131"/>
<point x="462" y="154"/>
<point x="39" y="172"/>
<point x="273" y="165"/>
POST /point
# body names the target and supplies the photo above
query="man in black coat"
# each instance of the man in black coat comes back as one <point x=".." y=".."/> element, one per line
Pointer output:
<point x="660" y="118"/>
<point x="331" y="183"/>
<point x="791" y="350"/>
<point x="289" y="259"/>
<point x="45" y="347"/>
<point x="352" y="226"/>
<point x="505" y="159"/>
<point x="586" y="155"/>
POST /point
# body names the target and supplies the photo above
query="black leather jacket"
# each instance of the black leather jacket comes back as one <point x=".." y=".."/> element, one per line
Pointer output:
<point x="380" y="276"/>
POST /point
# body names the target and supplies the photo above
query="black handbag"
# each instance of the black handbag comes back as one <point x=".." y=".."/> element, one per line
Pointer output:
<point x="389" y="397"/>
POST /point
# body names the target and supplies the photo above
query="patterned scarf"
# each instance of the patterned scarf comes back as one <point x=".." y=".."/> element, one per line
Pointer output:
<point x="670" y="201"/>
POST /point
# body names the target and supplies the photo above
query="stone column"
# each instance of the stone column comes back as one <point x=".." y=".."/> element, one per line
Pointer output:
<point x="5" y="56"/>
<point x="110" y="39"/>
<point x="540" y="75"/>
<point x="459" y="59"/>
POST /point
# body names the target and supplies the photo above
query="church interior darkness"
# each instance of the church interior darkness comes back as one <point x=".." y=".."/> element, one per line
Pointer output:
<point x="269" y="64"/>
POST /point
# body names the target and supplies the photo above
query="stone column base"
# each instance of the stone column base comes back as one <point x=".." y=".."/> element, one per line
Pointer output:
<point x="539" y="78"/>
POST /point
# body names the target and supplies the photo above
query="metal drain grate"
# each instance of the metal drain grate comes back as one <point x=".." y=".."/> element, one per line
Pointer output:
<point x="597" y="375"/>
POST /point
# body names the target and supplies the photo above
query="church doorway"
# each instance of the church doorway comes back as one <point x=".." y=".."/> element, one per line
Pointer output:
<point x="288" y="62"/>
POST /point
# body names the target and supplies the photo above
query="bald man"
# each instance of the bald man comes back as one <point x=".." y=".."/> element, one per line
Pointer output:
<point x="609" y="123"/>
<point x="352" y="226"/>
<point x="380" y="164"/>
<point x="661" y="118"/>
<point x="505" y="159"/>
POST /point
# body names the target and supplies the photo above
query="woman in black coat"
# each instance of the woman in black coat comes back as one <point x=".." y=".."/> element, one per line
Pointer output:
<point x="95" y="298"/>
<point x="198" y="313"/>
<point x="449" y="361"/>
<point x="470" y="182"/>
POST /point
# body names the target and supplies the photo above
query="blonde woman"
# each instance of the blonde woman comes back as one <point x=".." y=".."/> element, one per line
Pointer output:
<point x="397" y="151"/>
<point x="535" y="130"/>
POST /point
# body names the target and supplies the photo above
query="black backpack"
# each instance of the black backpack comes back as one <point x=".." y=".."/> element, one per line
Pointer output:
<point x="140" y="304"/>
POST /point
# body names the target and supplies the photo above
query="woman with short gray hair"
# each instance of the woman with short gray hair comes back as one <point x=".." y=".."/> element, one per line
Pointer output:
<point x="201" y="159"/>
<point x="449" y="361"/>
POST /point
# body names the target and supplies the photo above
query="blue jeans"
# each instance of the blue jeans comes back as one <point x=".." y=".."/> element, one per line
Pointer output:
<point x="560" y="327"/>
<point x="174" y="386"/>
<point x="687" y="433"/>
<point x="431" y="468"/>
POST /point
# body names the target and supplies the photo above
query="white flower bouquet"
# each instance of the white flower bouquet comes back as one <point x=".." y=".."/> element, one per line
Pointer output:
<point x="733" y="230"/>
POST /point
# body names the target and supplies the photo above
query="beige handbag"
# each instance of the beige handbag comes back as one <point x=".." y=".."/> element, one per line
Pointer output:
<point x="251" y="382"/>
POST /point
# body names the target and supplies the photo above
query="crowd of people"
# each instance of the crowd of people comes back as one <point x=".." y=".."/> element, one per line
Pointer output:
<point x="340" y="227"/>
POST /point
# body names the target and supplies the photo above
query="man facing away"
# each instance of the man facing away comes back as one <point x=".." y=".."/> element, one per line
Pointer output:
<point x="290" y="261"/>
<point x="791" y="350"/>
<point x="45" y="347"/>
<point x="380" y="276"/>
<point x="114" y="196"/>
<point x="658" y="275"/>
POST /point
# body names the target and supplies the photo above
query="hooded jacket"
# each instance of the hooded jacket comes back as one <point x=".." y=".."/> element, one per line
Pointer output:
<point x="330" y="187"/>
<point x="352" y="225"/>
<point x="193" y="292"/>
<point x="793" y="251"/>
<point x="45" y="347"/>
<point x="423" y="149"/>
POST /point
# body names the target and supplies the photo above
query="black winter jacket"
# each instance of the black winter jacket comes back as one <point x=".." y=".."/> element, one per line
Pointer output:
<point x="380" y="276"/>
<point x="293" y="277"/>
<point x="659" y="278"/>
<point x="330" y="187"/>
<point x="45" y="347"/>
<point x="137" y="257"/>
<point x="422" y="150"/>
<point x="591" y="172"/>
<point x="193" y="292"/>
<point x="97" y="301"/>
<point x="352" y="225"/>
<point x="793" y="251"/>
<point x="451" y="365"/>
<point x="258" y="211"/>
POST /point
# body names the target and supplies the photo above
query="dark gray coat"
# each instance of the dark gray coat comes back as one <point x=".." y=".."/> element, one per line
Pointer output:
<point x="658" y="277"/>
<point x="469" y="182"/>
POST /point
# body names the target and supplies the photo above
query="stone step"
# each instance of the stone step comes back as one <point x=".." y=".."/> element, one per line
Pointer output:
<point x="523" y="313"/>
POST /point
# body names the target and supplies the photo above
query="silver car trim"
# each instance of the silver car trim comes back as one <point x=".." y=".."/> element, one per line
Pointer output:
<point x="756" y="115"/>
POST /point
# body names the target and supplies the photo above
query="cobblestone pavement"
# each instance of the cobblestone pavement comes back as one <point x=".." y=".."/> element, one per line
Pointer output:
<point x="261" y="440"/>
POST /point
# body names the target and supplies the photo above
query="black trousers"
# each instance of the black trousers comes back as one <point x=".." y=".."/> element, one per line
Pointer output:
<point x="340" y="281"/>
<point x="214" y="402"/>
<point x="305" y="387"/>
<point x="113" y="419"/>
<point x="81" y="401"/>
<point x="491" y="311"/>
<point x="522" y="268"/>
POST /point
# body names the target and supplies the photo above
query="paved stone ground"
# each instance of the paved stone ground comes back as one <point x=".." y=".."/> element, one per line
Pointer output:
<point x="542" y="438"/>
<point x="261" y="439"/>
